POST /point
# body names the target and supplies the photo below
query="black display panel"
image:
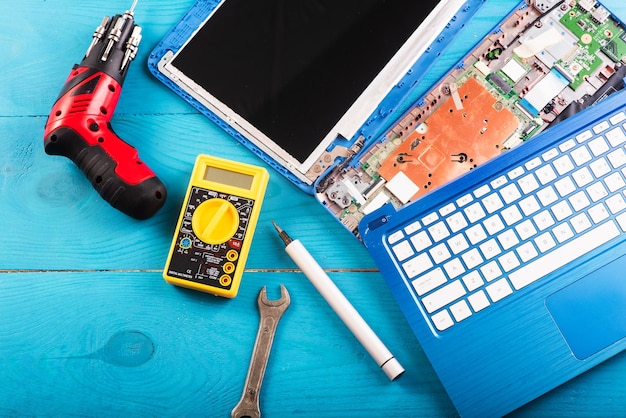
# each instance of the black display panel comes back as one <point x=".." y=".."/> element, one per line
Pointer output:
<point x="292" y="68"/>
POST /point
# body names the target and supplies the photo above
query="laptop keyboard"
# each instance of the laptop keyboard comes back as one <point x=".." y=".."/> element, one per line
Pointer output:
<point x="514" y="230"/>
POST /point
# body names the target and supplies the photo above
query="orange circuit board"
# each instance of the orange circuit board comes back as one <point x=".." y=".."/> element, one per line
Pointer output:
<point x="453" y="140"/>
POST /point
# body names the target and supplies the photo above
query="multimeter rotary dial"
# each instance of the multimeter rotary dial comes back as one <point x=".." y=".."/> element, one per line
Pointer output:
<point x="215" y="226"/>
<point x="215" y="221"/>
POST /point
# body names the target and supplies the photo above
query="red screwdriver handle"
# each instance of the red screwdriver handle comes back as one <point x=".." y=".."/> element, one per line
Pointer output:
<point x="79" y="128"/>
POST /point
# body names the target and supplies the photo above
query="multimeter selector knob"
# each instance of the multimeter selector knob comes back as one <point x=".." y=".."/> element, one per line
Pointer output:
<point x="215" y="221"/>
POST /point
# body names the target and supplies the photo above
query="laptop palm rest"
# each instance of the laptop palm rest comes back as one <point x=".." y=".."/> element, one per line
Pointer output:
<point x="591" y="312"/>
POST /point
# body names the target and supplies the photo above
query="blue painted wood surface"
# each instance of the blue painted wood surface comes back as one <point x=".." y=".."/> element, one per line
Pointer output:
<point x="88" y="327"/>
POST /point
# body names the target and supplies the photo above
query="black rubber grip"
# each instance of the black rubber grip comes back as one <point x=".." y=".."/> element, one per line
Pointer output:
<point x="140" y="201"/>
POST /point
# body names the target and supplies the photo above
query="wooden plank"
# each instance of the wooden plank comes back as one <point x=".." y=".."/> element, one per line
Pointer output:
<point x="53" y="219"/>
<point x="43" y="40"/>
<point x="127" y="343"/>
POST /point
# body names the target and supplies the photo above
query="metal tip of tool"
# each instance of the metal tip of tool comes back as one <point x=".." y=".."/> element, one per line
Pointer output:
<point x="282" y="234"/>
<point x="132" y="8"/>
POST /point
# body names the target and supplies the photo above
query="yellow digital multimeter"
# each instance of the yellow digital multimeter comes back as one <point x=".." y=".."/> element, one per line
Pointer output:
<point x="215" y="227"/>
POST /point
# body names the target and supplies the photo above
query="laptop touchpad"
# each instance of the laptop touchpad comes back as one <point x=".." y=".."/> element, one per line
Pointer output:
<point x="591" y="312"/>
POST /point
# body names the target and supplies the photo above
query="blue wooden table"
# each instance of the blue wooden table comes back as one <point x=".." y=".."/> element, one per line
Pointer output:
<point x="88" y="327"/>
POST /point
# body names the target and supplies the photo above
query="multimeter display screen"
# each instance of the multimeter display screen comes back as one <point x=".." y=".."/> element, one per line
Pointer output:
<point x="229" y="178"/>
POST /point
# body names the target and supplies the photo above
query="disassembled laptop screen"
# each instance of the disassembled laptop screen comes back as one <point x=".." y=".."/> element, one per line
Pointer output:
<point x="290" y="72"/>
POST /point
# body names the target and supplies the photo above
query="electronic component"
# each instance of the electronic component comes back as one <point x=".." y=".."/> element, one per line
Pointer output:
<point x="542" y="64"/>
<point x="215" y="227"/>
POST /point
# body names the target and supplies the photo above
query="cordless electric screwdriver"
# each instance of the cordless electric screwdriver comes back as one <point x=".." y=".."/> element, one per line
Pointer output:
<point x="79" y="128"/>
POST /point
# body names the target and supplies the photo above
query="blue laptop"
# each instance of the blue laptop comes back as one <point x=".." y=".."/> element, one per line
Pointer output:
<point x="494" y="205"/>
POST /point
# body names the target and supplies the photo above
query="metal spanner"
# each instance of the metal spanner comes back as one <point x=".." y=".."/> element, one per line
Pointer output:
<point x="271" y="312"/>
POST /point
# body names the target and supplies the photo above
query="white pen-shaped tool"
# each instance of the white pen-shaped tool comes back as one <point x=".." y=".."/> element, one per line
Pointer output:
<point x="342" y="307"/>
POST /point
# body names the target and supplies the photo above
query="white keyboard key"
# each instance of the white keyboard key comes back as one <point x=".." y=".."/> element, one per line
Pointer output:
<point x="528" y="183"/>
<point x="454" y="268"/>
<point x="563" y="165"/>
<point x="412" y="228"/>
<point x="490" y="249"/>
<point x="615" y="204"/>
<point x="439" y="231"/>
<point x="580" y="155"/>
<point x="527" y="252"/>
<point x="598" y="213"/>
<point x="443" y="296"/>
<point x="478" y="301"/>
<point x="395" y="237"/>
<point x="499" y="290"/>
<point x="564" y="186"/>
<point x="439" y="253"/>
<point x="493" y="224"/>
<point x="617" y="158"/>
<point x="582" y="176"/>
<point x="597" y="191"/>
<point x="442" y="320"/>
<point x="581" y="222"/>
<point x="498" y="182"/>
<point x="564" y="254"/>
<point x="621" y="220"/>
<point x="456" y="222"/>
<point x="510" y="193"/>
<point x="532" y="164"/>
<point x="460" y="311"/>
<point x="472" y="258"/>
<point x="492" y="203"/>
<point x="567" y="145"/>
<point x="545" y="174"/>
<point x="617" y="118"/>
<point x="430" y="218"/>
<point x="545" y="242"/>
<point x="561" y="210"/>
<point x="614" y="182"/>
<point x="515" y="173"/>
<point x="458" y="244"/>
<point x="529" y="205"/>
<point x="583" y="136"/>
<point x="403" y="250"/>
<point x="511" y="215"/>
<point x="491" y="271"/>
<point x="473" y="281"/>
<point x="598" y="146"/>
<point x="447" y="209"/>
<point x="481" y="191"/>
<point x="615" y="137"/>
<point x="543" y="220"/>
<point x="464" y="200"/>
<point x="526" y="230"/>
<point x="429" y="281"/>
<point x="563" y="232"/>
<point x="579" y="201"/>
<point x="474" y="212"/>
<point x="508" y="261"/>
<point x="547" y="195"/>
<point x="601" y="127"/>
<point x="417" y="265"/>
<point x="421" y="241"/>
<point x="508" y="239"/>
<point x="600" y="167"/>
<point x="476" y="234"/>
<point x="550" y="154"/>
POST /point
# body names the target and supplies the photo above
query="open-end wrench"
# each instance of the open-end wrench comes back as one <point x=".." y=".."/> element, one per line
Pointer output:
<point x="271" y="312"/>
